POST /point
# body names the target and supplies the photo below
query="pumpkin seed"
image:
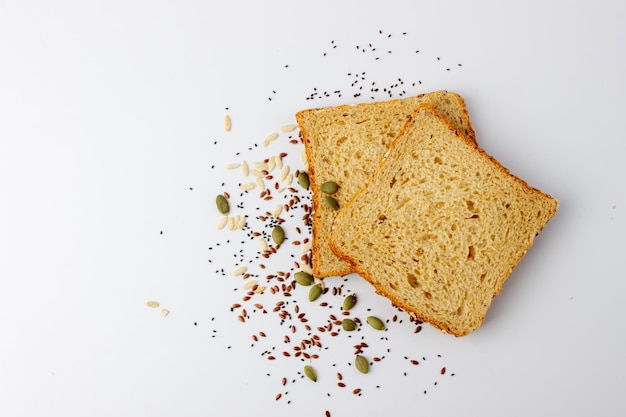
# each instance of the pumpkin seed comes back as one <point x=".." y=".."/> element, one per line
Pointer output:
<point x="331" y="202"/>
<point x="303" y="180"/>
<point x="329" y="187"/>
<point x="361" y="364"/>
<point x="222" y="204"/>
<point x="278" y="235"/>
<point x="310" y="373"/>
<point x="349" y="302"/>
<point x="303" y="278"/>
<point x="348" y="325"/>
<point x="315" y="292"/>
<point x="376" y="323"/>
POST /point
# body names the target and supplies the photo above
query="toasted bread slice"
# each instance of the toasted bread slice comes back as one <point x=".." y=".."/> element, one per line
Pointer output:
<point x="440" y="225"/>
<point x="344" y="144"/>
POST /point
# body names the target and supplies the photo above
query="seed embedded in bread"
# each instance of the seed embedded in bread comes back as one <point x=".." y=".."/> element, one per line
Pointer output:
<point x="440" y="225"/>
<point x="344" y="144"/>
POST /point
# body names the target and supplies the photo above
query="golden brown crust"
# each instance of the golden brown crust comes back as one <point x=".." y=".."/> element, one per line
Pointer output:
<point x="319" y="238"/>
<point x="384" y="291"/>
<point x="315" y="203"/>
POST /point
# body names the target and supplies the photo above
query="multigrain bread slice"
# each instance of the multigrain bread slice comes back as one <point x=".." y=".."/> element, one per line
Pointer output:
<point x="440" y="225"/>
<point x="344" y="144"/>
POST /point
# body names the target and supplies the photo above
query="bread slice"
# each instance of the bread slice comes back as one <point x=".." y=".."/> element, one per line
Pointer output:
<point x="440" y="225"/>
<point x="344" y="144"/>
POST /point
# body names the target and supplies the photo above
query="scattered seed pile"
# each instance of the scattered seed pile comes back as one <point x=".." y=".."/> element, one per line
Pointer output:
<point x="273" y="276"/>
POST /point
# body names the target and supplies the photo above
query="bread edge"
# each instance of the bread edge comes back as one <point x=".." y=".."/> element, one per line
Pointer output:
<point x="381" y="290"/>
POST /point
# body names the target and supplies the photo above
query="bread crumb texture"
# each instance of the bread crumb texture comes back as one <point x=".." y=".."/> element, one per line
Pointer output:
<point x="440" y="225"/>
<point x="345" y="144"/>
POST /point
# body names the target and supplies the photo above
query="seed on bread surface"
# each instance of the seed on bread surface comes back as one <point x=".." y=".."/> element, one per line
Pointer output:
<point x="329" y="187"/>
<point x="331" y="202"/>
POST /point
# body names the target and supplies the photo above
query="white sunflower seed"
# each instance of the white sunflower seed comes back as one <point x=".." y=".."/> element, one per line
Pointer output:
<point x="222" y="222"/>
<point x="261" y="166"/>
<point x="153" y="304"/>
<point x="260" y="183"/>
<point x="306" y="268"/>
<point x="263" y="244"/>
<point x="240" y="271"/>
<point x="284" y="172"/>
<point x="232" y="166"/>
<point x="288" y="128"/>
<point x="244" y="169"/>
<point x="242" y="222"/>
<point x="227" y="123"/>
<point x="271" y="137"/>
<point x="248" y="186"/>
<point x="271" y="164"/>
<point x="249" y="284"/>
<point x="277" y="210"/>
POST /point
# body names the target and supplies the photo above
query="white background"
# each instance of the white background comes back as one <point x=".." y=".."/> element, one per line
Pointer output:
<point x="108" y="115"/>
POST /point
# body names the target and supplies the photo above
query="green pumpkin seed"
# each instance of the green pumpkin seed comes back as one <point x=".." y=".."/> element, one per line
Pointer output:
<point x="278" y="235"/>
<point x="349" y="302"/>
<point x="303" y="278"/>
<point x="376" y="323"/>
<point x="310" y="373"/>
<point x="315" y="292"/>
<point x="348" y="325"/>
<point x="331" y="202"/>
<point x="330" y="187"/>
<point x="222" y="204"/>
<point x="303" y="180"/>
<point x="361" y="364"/>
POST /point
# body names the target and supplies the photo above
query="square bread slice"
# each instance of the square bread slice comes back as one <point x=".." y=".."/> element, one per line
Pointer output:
<point x="344" y="144"/>
<point x="440" y="225"/>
